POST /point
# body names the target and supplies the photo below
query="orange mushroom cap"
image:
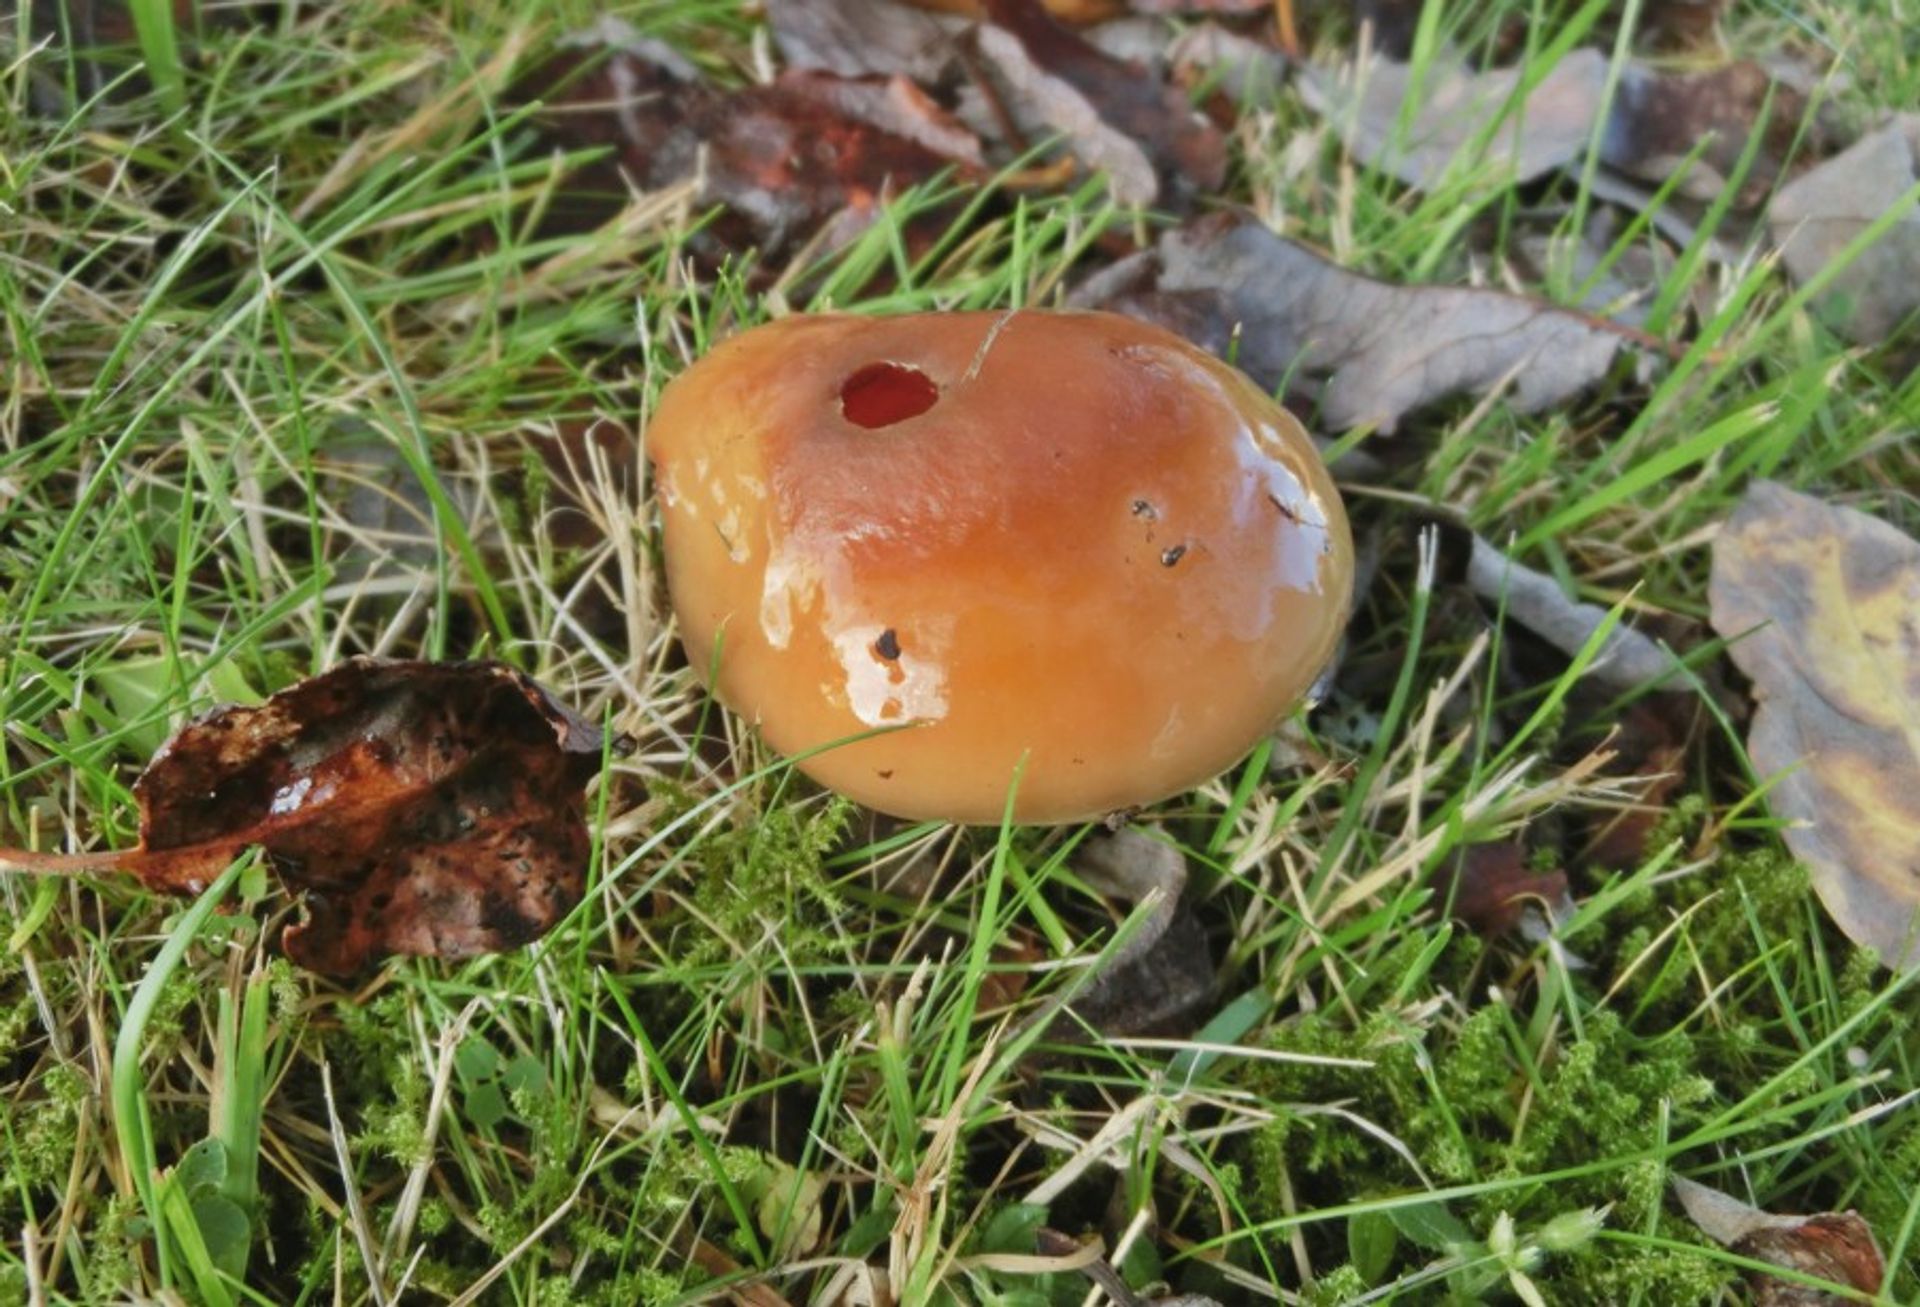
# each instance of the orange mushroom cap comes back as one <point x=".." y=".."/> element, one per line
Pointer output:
<point x="1068" y="544"/>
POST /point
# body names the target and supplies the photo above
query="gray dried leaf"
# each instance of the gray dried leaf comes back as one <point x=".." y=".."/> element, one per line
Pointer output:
<point x="856" y="38"/>
<point x="1250" y="72"/>
<point x="1457" y="109"/>
<point x="1163" y="972"/>
<point x="1385" y="350"/>
<point x="1042" y="105"/>
<point x="1044" y="71"/>
<point x="1625" y="291"/>
<point x="1627" y="660"/>
<point x="1816" y="216"/>
<point x="1460" y="118"/>
<point x="1246" y="70"/>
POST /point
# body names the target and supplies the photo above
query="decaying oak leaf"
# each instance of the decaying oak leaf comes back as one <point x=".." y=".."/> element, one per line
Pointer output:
<point x="421" y="808"/>
<point x="1384" y="350"/>
<point x="1821" y="605"/>
<point x="1655" y="120"/>
<point x="1834" y="1246"/>
<point x="1819" y="214"/>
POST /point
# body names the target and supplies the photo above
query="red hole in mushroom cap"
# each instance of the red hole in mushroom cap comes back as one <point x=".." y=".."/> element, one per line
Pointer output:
<point x="882" y="394"/>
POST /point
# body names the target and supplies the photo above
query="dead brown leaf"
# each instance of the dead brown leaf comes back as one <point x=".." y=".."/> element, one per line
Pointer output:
<point x="1822" y="606"/>
<point x="1658" y="118"/>
<point x="1682" y="26"/>
<point x="433" y="809"/>
<point x="1087" y="13"/>
<point x="1491" y="885"/>
<point x="1834" y="1246"/>
<point x="809" y="147"/>
<point x="1384" y="350"/>
<point x="1815" y="217"/>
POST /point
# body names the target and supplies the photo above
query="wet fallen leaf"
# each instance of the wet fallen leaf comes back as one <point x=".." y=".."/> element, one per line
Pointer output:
<point x="1822" y="606"/>
<point x="1655" y="120"/>
<point x="1491" y="886"/>
<point x="1815" y="217"/>
<point x="809" y="147"/>
<point x="433" y="809"/>
<point x="1834" y="1246"/>
<point x="1384" y="350"/>
<point x="1086" y="13"/>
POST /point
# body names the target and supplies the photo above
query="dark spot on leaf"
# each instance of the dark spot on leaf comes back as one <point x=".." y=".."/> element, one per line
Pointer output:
<point x="888" y="645"/>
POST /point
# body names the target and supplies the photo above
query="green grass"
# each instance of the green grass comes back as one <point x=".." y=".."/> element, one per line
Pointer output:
<point x="279" y="338"/>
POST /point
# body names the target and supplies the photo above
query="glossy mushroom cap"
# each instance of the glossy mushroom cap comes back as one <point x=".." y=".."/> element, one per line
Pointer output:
<point x="1068" y="539"/>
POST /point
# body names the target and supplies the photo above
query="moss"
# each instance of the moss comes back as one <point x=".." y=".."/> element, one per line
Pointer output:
<point x="1596" y="1096"/>
<point x="44" y="1132"/>
<point x="15" y="1015"/>
<point x="1342" y="1284"/>
<point x="397" y="1126"/>
<point x="651" y="1287"/>
<point x="1656" y="1277"/>
<point x="111" y="1272"/>
<point x="769" y="873"/>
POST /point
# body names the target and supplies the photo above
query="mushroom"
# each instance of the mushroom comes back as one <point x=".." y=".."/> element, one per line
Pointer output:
<point x="1069" y="556"/>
